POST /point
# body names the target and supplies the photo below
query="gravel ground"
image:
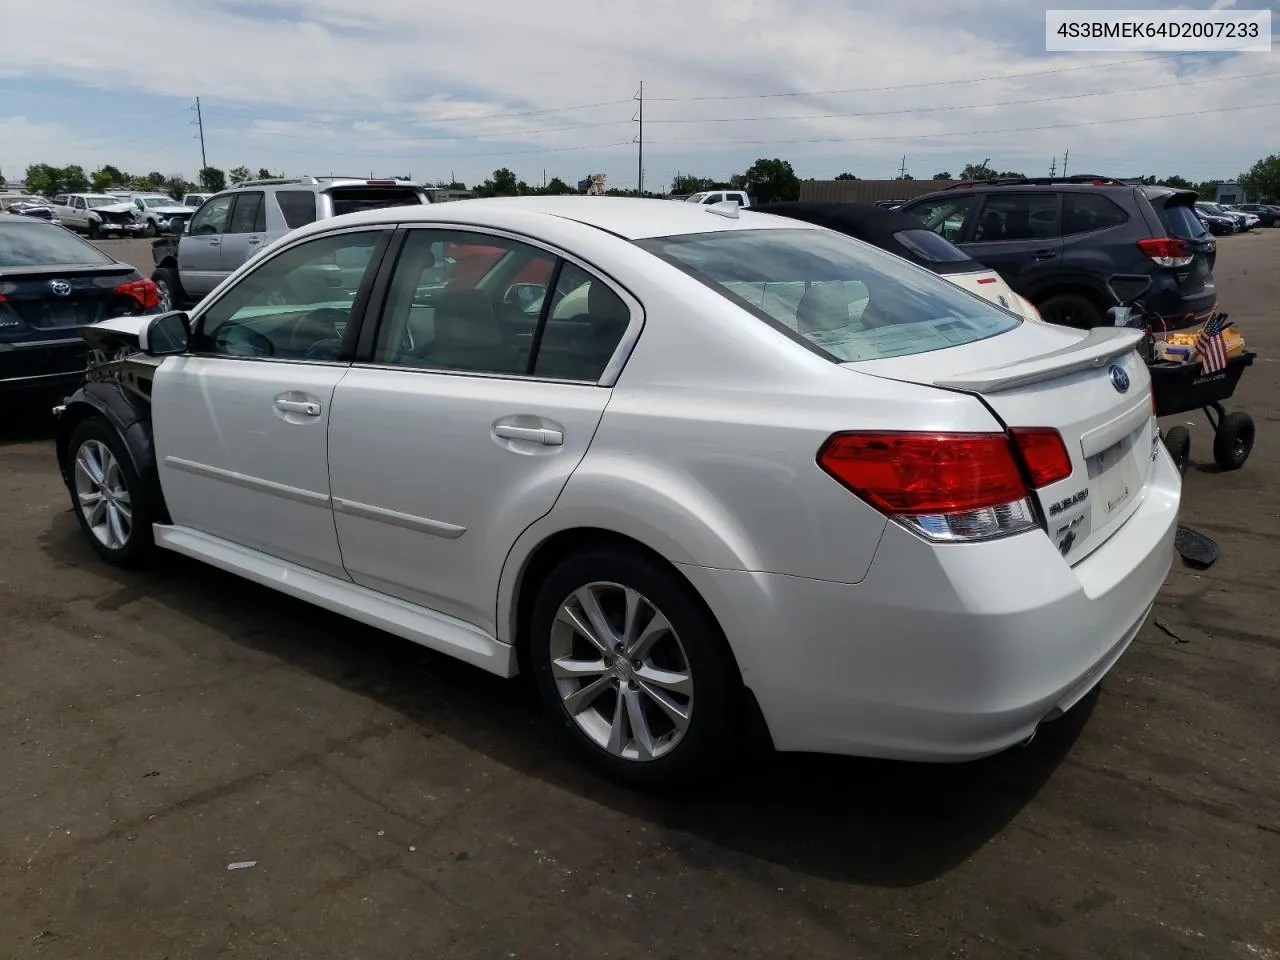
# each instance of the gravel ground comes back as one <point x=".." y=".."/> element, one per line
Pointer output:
<point x="156" y="729"/>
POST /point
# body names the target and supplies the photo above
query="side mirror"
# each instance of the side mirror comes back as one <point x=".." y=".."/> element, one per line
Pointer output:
<point x="165" y="335"/>
<point x="177" y="225"/>
<point x="524" y="294"/>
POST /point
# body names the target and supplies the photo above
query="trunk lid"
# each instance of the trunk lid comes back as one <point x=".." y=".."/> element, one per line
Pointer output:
<point x="1092" y="387"/>
<point x="36" y="296"/>
<point x="987" y="284"/>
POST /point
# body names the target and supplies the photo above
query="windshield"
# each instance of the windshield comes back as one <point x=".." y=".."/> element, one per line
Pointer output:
<point x="150" y="202"/>
<point x="195" y="199"/>
<point x="847" y="300"/>
<point x="696" y="198"/>
<point x="37" y="244"/>
<point x="1182" y="223"/>
<point x="102" y="201"/>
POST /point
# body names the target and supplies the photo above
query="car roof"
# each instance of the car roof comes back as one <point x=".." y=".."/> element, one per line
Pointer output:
<point x="631" y="218"/>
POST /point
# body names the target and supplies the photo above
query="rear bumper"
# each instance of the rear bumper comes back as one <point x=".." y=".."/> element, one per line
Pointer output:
<point x="944" y="653"/>
<point x="1177" y="309"/>
<point x="41" y="365"/>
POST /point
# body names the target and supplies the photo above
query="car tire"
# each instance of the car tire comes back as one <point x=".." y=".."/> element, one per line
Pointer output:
<point x="1071" y="310"/>
<point x="1233" y="441"/>
<point x="94" y="230"/>
<point x="153" y="229"/>
<point x="678" y="680"/>
<point x="107" y="494"/>
<point x="1177" y="440"/>
<point x="169" y="288"/>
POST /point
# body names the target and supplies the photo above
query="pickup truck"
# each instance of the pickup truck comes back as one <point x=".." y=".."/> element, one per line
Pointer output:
<point x="155" y="210"/>
<point x="97" y="214"/>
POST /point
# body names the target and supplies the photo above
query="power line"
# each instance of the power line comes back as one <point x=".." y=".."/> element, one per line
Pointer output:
<point x="967" y="106"/>
<point x="458" y="118"/>
<point x="972" y="133"/>
<point x="915" y="86"/>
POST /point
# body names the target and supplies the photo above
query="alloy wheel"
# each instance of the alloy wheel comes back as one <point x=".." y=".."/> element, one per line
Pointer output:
<point x="102" y="495"/>
<point x="621" y="671"/>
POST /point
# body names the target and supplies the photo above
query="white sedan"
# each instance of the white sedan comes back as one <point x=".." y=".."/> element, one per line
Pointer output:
<point x="682" y="463"/>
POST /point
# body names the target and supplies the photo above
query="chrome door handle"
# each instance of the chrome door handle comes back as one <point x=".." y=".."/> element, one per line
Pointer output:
<point x="305" y="407"/>
<point x="544" y="435"/>
<point x="254" y="241"/>
<point x="215" y="243"/>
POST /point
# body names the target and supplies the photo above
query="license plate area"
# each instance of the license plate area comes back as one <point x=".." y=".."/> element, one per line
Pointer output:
<point x="1114" y="478"/>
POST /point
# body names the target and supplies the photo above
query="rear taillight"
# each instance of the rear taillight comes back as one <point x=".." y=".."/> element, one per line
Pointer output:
<point x="1043" y="453"/>
<point x="1166" y="251"/>
<point x="949" y="486"/>
<point x="144" y="291"/>
<point x="8" y="316"/>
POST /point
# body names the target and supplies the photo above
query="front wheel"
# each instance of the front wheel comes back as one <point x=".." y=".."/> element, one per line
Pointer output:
<point x="168" y="288"/>
<point x="1233" y="441"/>
<point x="636" y="670"/>
<point x="153" y="229"/>
<point x="95" y="230"/>
<point x="107" y="494"/>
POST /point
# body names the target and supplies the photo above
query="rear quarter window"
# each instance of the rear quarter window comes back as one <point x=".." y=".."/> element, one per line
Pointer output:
<point x="298" y="207"/>
<point x="1180" y="220"/>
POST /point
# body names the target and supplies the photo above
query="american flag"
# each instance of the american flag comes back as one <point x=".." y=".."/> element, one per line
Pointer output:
<point x="1211" y="346"/>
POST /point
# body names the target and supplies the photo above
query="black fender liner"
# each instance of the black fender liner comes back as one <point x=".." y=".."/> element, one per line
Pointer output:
<point x="130" y="417"/>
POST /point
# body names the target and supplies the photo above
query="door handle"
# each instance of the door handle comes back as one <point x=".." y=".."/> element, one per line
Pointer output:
<point x="254" y="241"/>
<point x="543" y="435"/>
<point x="215" y="243"/>
<point x="1044" y="254"/>
<point x="305" y="407"/>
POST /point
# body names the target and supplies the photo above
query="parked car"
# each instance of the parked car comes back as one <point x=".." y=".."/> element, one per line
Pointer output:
<point x="1073" y="245"/>
<point x="1251" y="220"/>
<point x="36" y="207"/>
<point x="10" y="200"/>
<point x="719" y="196"/>
<point x="1268" y="215"/>
<point x="686" y="480"/>
<point x="1241" y="220"/>
<point x="195" y="199"/>
<point x="1218" y="224"/>
<point x="97" y="214"/>
<point x="232" y="226"/>
<point x="157" y="210"/>
<point x="904" y="236"/>
<point x="52" y="283"/>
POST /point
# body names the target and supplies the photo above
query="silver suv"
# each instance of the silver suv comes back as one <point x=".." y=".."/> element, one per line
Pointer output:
<point x="233" y="225"/>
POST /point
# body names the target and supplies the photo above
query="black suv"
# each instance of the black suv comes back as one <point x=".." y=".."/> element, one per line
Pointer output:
<point x="1066" y="243"/>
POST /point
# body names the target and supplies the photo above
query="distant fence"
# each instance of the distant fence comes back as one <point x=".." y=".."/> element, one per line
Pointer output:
<point x="868" y="191"/>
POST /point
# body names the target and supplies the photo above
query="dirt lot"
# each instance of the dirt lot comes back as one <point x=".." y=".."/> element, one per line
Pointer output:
<point x="156" y="729"/>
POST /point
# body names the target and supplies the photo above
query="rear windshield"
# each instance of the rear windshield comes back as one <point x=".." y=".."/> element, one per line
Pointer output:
<point x="1181" y="222"/>
<point x="355" y="199"/>
<point x="928" y="247"/>
<point x="846" y="300"/>
<point x="37" y="244"/>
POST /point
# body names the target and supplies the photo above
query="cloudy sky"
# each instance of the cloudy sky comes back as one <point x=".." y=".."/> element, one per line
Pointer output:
<point x="437" y="90"/>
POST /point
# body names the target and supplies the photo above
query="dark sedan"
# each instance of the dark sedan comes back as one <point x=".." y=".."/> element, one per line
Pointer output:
<point x="52" y="283"/>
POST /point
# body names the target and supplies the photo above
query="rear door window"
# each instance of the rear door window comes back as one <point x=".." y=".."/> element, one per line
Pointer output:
<point x="1011" y="216"/>
<point x="354" y="199"/>
<point x="248" y="215"/>
<point x="298" y="207"/>
<point x="1083" y="212"/>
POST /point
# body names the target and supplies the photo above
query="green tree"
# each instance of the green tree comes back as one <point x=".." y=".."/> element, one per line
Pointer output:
<point x="74" y="179"/>
<point x="2" y="180"/>
<point x="213" y="180"/>
<point x="944" y="175"/>
<point x="770" y="180"/>
<point x="44" y="179"/>
<point x="1178" y="183"/>
<point x="265" y="174"/>
<point x="978" y="171"/>
<point x="503" y="183"/>
<point x="106" y="177"/>
<point x="845" y="176"/>
<point x="686" y="184"/>
<point x="240" y="175"/>
<point x="1262" y="181"/>
<point x="557" y="187"/>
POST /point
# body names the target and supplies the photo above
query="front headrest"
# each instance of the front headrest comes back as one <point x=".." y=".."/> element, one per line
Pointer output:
<point x="824" y="306"/>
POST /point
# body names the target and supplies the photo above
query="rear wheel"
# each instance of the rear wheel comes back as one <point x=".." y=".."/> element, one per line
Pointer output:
<point x="1071" y="310"/>
<point x="1178" y="442"/>
<point x="635" y="669"/>
<point x="1233" y="441"/>
<point x="107" y="495"/>
<point x="168" y="288"/>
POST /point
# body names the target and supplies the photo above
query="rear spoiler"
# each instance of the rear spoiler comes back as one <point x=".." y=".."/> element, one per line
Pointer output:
<point x="1100" y="346"/>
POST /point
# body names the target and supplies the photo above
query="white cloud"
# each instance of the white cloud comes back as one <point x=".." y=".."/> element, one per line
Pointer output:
<point x="388" y="79"/>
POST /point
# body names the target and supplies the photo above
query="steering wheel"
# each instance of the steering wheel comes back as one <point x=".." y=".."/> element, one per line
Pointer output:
<point x="241" y="341"/>
<point x="322" y="320"/>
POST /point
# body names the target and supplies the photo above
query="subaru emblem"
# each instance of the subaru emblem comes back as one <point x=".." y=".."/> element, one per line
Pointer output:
<point x="60" y="288"/>
<point x="1119" y="379"/>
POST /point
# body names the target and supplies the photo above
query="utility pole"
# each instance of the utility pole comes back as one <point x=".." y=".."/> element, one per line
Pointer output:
<point x="1053" y="168"/>
<point x="902" y="170"/>
<point x="1064" y="162"/>
<point x="640" y="141"/>
<point x="204" y="162"/>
